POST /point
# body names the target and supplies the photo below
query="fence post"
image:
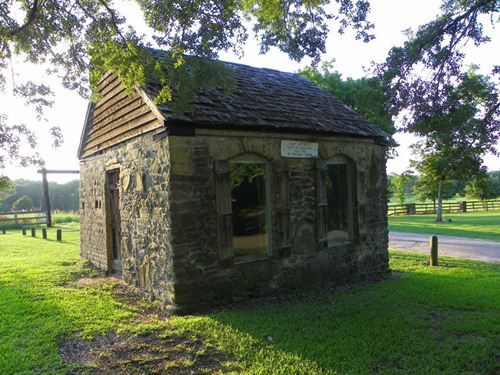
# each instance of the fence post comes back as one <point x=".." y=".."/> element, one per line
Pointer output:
<point x="462" y="206"/>
<point x="3" y="230"/>
<point x="59" y="235"/>
<point x="33" y="232"/>
<point x="24" y="231"/>
<point x="44" y="233"/>
<point x="434" y="251"/>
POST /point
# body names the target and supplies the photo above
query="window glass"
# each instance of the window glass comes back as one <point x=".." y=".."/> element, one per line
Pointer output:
<point x="338" y="196"/>
<point x="248" y="202"/>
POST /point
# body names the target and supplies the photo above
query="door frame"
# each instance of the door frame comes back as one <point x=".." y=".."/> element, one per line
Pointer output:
<point x="108" y="216"/>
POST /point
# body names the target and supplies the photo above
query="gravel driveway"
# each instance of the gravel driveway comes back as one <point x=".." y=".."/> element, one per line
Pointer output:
<point x="458" y="247"/>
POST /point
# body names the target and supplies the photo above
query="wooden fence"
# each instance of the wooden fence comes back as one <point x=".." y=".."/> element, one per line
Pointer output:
<point x="448" y="207"/>
<point x="20" y="218"/>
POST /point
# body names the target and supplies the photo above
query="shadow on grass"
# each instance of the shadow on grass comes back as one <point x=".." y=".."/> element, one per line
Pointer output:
<point x="30" y="326"/>
<point x="444" y="320"/>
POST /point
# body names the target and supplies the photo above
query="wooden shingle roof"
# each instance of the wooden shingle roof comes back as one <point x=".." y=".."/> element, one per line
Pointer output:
<point x="268" y="99"/>
<point x="262" y="99"/>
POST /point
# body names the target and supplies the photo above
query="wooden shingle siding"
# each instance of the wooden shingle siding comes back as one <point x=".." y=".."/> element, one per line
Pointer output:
<point x="116" y="117"/>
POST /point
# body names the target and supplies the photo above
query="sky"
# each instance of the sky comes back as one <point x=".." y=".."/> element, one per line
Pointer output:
<point x="351" y="58"/>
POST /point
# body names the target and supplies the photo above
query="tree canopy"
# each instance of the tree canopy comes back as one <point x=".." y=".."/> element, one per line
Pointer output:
<point x="420" y="76"/>
<point x="79" y="41"/>
<point x="364" y="95"/>
<point x="23" y="203"/>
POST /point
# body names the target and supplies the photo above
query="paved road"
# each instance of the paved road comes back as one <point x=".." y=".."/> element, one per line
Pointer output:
<point x="458" y="247"/>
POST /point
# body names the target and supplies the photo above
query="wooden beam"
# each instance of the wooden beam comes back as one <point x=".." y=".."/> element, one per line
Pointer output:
<point x="46" y="197"/>
<point x="69" y="171"/>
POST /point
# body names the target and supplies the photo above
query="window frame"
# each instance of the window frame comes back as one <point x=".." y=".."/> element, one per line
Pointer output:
<point x="245" y="158"/>
<point x="226" y="254"/>
<point x="322" y="201"/>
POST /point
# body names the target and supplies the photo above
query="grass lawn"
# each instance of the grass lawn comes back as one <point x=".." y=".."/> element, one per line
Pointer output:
<point x="485" y="225"/>
<point x="443" y="320"/>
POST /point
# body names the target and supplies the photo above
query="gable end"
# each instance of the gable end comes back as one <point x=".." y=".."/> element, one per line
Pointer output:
<point x="117" y="117"/>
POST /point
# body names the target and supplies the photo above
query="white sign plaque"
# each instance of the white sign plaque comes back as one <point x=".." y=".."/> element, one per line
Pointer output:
<point x="299" y="149"/>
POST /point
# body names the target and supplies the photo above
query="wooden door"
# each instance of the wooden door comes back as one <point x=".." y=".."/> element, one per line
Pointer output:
<point x="113" y="178"/>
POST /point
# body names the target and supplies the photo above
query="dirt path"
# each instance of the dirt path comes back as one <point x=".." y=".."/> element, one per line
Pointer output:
<point x="459" y="247"/>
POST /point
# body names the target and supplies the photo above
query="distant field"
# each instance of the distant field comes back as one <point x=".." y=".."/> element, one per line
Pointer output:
<point x="58" y="217"/>
<point x="413" y="199"/>
<point x="65" y="217"/>
<point x="485" y="225"/>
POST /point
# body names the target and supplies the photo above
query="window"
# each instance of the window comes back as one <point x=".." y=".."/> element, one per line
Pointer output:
<point x="249" y="203"/>
<point x="336" y="216"/>
<point x="339" y="199"/>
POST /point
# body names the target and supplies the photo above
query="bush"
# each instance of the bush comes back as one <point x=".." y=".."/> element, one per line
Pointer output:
<point x="22" y="204"/>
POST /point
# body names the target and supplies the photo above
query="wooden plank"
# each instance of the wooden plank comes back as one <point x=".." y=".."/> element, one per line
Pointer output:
<point x="138" y="130"/>
<point x="133" y="120"/>
<point x="105" y="101"/>
<point x="112" y="124"/>
<point x="122" y="131"/>
<point x="116" y="136"/>
<point x="151" y="105"/>
<point x="105" y="77"/>
<point x="103" y="116"/>
<point x="15" y="221"/>
<point x="20" y="212"/>
<point x="124" y="98"/>
<point x="118" y="119"/>
<point x="107" y="83"/>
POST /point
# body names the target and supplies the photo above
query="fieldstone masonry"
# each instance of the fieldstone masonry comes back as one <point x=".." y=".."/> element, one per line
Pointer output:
<point x="169" y="241"/>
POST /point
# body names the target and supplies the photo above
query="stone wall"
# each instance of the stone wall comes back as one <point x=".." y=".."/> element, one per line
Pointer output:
<point x="146" y="250"/>
<point x="199" y="276"/>
<point x="169" y="217"/>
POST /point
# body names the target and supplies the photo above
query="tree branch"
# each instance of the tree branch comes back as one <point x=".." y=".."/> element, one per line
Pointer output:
<point x="29" y="21"/>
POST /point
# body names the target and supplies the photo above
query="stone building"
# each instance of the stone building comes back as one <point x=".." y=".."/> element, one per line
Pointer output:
<point x="277" y="186"/>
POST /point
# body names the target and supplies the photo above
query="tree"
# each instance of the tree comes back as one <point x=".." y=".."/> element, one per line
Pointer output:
<point x="82" y="40"/>
<point x="458" y="135"/>
<point x="23" y="203"/>
<point x="482" y="187"/>
<point x="364" y="95"/>
<point x="400" y="183"/>
<point x="427" y="69"/>
<point x="64" y="197"/>
<point x="426" y="188"/>
<point x="495" y="180"/>
<point x="439" y="165"/>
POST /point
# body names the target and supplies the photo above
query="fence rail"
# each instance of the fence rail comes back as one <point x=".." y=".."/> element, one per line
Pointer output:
<point x="448" y="207"/>
<point x="23" y="218"/>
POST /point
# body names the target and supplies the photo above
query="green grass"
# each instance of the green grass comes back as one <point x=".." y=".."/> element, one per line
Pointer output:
<point x="38" y="310"/>
<point x="484" y="225"/>
<point x="59" y="217"/>
<point x="443" y="320"/>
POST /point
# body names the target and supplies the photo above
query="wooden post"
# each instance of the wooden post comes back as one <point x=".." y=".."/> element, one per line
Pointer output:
<point x="44" y="233"/>
<point x="46" y="198"/>
<point x="33" y="232"/>
<point x="24" y="231"/>
<point x="59" y="235"/>
<point x="434" y="251"/>
<point x="3" y="230"/>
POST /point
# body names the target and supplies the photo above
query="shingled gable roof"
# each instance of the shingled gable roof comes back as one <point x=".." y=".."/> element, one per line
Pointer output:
<point x="263" y="99"/>
<point x="270" y="100"/>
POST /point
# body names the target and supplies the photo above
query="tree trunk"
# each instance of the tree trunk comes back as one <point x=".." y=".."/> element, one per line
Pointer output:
<point x="439" y="211"/>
